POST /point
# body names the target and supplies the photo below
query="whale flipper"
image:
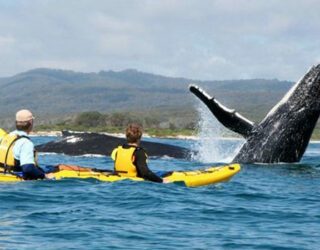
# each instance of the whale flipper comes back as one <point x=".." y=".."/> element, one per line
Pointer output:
<point x="229" y="118"/>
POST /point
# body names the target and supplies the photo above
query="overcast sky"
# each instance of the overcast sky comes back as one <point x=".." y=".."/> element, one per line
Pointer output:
<point x="198" y="39"/>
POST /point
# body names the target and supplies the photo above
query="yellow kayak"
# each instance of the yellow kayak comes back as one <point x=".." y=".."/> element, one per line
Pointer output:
<point x="193" y="178"/>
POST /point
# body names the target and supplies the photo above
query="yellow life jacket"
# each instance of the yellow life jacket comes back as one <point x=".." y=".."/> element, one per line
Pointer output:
<point x="2" y="133"/>
<point x="6" y="150"/>
<point x="123" y="161"/>
<point x="7" y="160"/>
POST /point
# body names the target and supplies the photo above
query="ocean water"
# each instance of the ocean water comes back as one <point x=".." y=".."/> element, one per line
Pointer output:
<point x="262" y="207"/>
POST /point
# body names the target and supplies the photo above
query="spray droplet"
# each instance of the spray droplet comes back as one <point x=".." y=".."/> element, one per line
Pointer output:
<point x="211" y="147"/>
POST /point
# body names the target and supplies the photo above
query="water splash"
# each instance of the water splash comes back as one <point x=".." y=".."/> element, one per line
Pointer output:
<point x="210" y="146"/>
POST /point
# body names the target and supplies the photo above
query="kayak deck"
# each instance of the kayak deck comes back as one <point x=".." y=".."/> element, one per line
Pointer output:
<point x="193" y="178"/>
<point x="204" y="177"/>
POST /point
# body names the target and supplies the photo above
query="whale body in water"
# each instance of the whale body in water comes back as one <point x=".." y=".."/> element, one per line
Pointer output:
<point x="283" y="135"/>
<point x="78" y="143"/>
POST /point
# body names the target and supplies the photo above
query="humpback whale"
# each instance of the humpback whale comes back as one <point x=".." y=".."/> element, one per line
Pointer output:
<point x="284" y="133"/>
<point x="78" y="143"/>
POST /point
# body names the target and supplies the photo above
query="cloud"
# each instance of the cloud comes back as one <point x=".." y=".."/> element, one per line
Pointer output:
<point x="6" y="41"/>
<point x="58" y="64"/>
<point x="208" y="39"/>
<point x="7" y="44"/>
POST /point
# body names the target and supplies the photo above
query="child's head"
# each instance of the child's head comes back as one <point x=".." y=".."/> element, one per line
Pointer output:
<point x="133" y="133"/>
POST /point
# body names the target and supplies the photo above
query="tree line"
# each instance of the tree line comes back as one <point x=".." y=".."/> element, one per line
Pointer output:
<point x="165" y="123"/>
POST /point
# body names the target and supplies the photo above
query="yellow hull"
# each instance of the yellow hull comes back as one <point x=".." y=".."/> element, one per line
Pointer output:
<point x="194" y="178"/>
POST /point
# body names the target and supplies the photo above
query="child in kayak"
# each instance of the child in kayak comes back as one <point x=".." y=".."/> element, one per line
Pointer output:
<point x="130" y="159"/>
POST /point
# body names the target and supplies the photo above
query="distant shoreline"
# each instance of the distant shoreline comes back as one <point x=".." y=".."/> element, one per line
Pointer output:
<point x="46" y="133"/>
<point x="121" y="135"/>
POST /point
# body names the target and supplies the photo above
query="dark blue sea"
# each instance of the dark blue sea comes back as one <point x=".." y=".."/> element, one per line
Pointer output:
<point x="263" y="207"/>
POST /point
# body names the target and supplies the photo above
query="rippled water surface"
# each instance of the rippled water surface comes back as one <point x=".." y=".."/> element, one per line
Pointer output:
<point x="263" y="207"/>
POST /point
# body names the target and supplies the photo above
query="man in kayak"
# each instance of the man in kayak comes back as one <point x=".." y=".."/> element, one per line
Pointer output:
<point x="130" y="159"/>
<point x="17" y="152"/>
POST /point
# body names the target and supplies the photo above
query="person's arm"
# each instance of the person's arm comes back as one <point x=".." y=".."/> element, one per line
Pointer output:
<point x="142" y="167"/>
<point x="27" y="162"/>
<point x="32" y="172"/>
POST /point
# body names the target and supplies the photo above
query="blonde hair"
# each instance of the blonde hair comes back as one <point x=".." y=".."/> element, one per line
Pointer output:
<point x="134" y="132"/>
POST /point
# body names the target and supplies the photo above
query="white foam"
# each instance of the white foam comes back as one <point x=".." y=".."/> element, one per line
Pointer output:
<point x="46" y="153"/>
<point x="73" y="139"/>
<point x="209" y="144"/>
<point x="92" y="155"/>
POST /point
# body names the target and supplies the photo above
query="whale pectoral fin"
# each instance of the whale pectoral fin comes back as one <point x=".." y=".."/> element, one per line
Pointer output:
<point x="229" y="118"/>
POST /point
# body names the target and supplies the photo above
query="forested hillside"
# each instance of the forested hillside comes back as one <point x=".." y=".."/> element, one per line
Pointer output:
<point x="53" y="93"/>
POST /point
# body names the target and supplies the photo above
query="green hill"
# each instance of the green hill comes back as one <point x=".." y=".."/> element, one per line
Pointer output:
<point x="58" y="96"/>
<point x="60" y="92"/>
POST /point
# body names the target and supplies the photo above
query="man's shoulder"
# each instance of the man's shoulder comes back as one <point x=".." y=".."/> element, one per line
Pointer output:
<point x="19" y="133"/>
<point x="24" y="141"/>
